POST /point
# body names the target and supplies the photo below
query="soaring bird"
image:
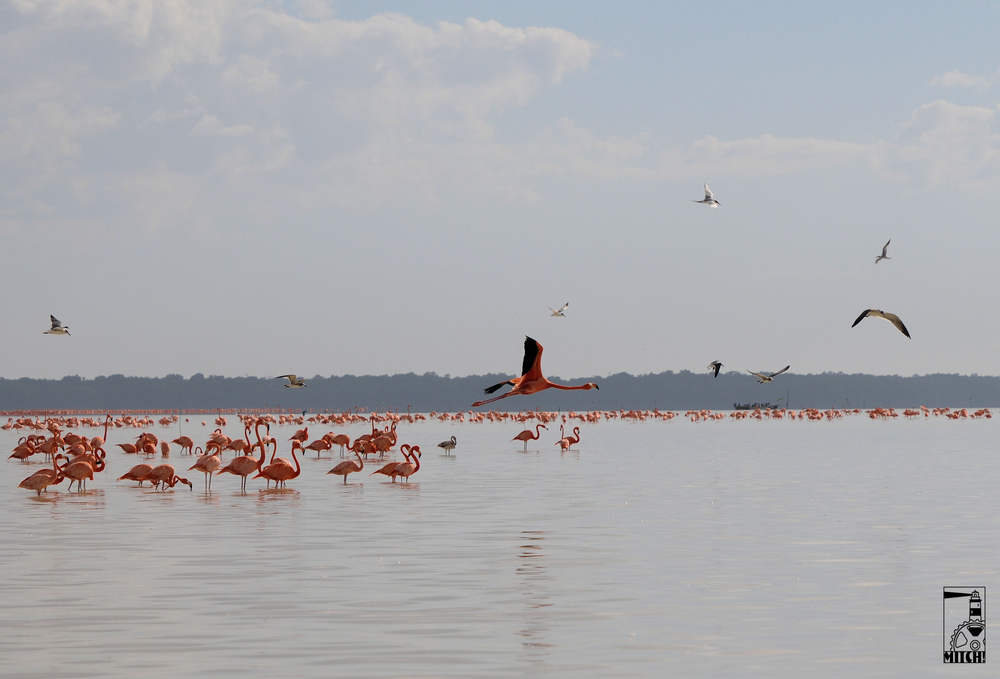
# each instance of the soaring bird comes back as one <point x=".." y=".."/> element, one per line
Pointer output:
<point x="531" y="380"/>
<point x="559" y="313"/>
<point x="885" y="249"/>
<point x="716" y="366"/>
<point x="57" y="327"/>
<point x="762" y="378"/>
<point x="709" y="200"/>
<point x="878" y="313"/>
<point x="293" y="381"/>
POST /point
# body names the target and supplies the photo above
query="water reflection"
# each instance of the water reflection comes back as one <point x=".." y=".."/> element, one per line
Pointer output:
<point x="531" y="567"/>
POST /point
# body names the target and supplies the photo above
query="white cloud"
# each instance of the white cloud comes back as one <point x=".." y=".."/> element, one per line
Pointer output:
<point x="209" y="126"/>
<point x="965" y="81"/>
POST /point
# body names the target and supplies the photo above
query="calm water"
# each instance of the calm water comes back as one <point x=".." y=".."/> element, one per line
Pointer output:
<point x="743" y="549"/>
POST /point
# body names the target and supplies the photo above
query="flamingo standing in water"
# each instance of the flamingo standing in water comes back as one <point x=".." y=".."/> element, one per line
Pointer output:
<point x="207" y="465"/>
<point x="566" y="442"/>
<point x="349" y="467"/>
<point x="531" y="380"/>
<point x="244" y="465"/>
<point x="448" y="445"/>
<point x="526" y="435"/>
<point x="280" y="470"/>
<point x="42" y="479"/>
<point x="78" y="471"/>
<point x="408" y="469"/>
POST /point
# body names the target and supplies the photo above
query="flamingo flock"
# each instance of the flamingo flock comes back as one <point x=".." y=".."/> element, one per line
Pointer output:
<point x="80" y="459"/>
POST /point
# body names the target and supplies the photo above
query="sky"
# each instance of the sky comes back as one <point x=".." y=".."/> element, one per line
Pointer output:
<point x="324" y="188"/>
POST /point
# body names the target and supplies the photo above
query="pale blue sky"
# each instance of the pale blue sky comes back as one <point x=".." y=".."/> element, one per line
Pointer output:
<point x="262" y="188"/>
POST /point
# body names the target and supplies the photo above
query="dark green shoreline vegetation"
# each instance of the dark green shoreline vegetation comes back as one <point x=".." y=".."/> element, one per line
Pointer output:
<point x="431" y="392"/>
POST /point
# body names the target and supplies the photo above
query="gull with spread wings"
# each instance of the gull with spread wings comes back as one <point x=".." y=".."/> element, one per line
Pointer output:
<point x="885" y="249"/>
<point x="293" y="381"/>
<point x="878" y="313"/>
<point x="709" y="198"/>
<point x="57" y="327"/>
<point x="762" y="378"/>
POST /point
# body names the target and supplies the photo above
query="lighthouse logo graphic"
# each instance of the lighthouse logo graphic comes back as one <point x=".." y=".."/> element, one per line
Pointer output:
<point x="965" y="624"/>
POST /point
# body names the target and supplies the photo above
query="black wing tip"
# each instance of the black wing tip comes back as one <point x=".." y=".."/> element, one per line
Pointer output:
<point x="495" y="387"/>
<point x="863" y="315"/>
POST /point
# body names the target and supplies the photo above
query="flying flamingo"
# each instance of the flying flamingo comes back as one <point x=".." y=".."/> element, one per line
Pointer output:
<point x="531" y="380"/>
<point x="348" y="467"/>
<point x="137" y="473"/>
<point x="526" y="435"/>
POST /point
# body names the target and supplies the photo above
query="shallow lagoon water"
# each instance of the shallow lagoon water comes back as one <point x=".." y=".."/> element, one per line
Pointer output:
<point x="743" y="549"/>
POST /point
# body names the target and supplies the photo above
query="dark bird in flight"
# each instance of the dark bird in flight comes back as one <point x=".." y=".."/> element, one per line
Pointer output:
<point x="716" y="366"/>
<point x="878" y="313"/>
<point x="762" y="378"/>
<point x="885" y="248"/>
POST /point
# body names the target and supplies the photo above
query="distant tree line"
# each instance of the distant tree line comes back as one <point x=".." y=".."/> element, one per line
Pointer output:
<point x="431" y="392"/>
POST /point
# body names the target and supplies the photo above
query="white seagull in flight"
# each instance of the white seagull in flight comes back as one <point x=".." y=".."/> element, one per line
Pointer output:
<point x="559" y="313"/>
<point x="885" y="249"/>
<point x="293" y="381"/>
<point x="762" y="378"/>
<point x="709" y="200"/>
<point x="57" y="327"/>
<point x="878" y="313"/>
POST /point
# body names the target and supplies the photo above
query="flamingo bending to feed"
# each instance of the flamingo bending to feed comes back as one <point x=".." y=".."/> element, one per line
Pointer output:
<point x="348" y="467"/>
<point x="185" y="443"/>
<point x="164" y="476"/>
<point x="137" y="473"/>
<point x="531" y="380"/>
<point x="526" y="435"/>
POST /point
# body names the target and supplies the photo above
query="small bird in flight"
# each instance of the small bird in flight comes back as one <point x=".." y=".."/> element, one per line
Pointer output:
<point x="892" y="318"/>
<point x="716" y="366"/>
<point x="709" y="200"/>
<point x="57" y="327"/>
<point x="885" y="248"/>
<point x="293" y="381"/>
<point x="762" y="378"/>
<point x="560" y="313"/>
